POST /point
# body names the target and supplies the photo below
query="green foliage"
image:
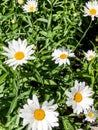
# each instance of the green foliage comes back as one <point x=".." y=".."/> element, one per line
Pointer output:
<point x="57" y="23"/>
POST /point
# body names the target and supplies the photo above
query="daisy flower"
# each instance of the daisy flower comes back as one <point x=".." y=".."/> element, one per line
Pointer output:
<point x="91" y="9"/>
<point x="61" y="56"/>
<point x="39" y="117"/>
<point x="18" y="53"/>
<point x="90" y="55"/>
<point x="79" y="97"/>
<point x="30" y="6"/>
<point x="91" y="115"/>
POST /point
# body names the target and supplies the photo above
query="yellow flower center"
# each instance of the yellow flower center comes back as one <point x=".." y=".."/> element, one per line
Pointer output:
<point x="39" y="114"/>
<point x="92" y="11"/>
<point x="78" y="97"/>
<point x="31" y="8"/>
<point x="91" y="56"/>
<point x="91" y="114"/>
<point x="63" y="56"/>
<point x="19" y="55"/>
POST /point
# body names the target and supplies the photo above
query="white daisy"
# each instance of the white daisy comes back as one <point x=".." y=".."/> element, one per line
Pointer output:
<point x="30" y="6"/>
<point x="18" y="53"/>
<point x="91" y="9"/>
<point x="90" y="55"/>
<point x="61" y="56"/>
<point x="79" y="97"/>
<point x="38" y="117"/>
<point x="91" y="115"/>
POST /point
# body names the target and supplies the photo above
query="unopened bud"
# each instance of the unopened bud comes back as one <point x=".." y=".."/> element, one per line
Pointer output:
<point x="34" y="47"/>
<point x="13" y="21"/>
<point x="20" y="2"/>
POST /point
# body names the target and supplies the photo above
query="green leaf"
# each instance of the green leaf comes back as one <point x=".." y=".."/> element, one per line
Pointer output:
<point x="49" y="82"/>
<point x="2" y="128"/>
<point x="42" y="20"/>
<point x="2" y="77"/>
<point x="67" y="124"/>
<point x="13" y="105"/>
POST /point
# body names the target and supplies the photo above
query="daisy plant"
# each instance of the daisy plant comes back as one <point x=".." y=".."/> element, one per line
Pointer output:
<point x="90" y="54"/>
<point x="18" y="53"/>
<point x="30" y="6"/>
<point x="91" y="115"/>
<point x="79" y="97"/>
<point x="61" y="56"/>
<point x="39" y="117"/>
<point x="91" y="9"/>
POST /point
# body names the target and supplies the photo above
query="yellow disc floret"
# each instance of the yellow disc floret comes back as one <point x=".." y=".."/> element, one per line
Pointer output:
<point x="92" y="11"/>
<point x="31" y="8"/>
<point x="78" y="97"/>
<point x="91" y="114"/>
<point x="19" y="55"/>
<point x="63" y="56"/>
<point x="39" y="114"/>
<point x="91" y="56"/>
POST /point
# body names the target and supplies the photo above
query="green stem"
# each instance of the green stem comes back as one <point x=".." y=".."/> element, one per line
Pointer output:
<point x="83" y="35"/>
<point x="18" y="80"/>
